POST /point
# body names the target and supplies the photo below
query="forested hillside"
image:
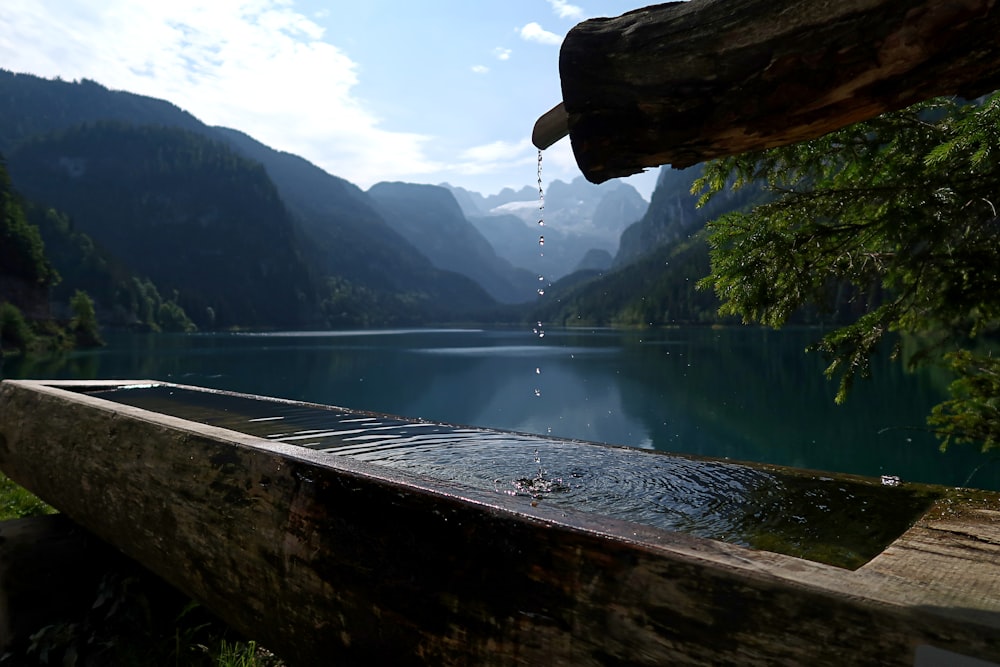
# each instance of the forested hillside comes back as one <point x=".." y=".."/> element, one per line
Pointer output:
<point x="26" y="274"/>
<point x="122" y="297"/>
<point x="658" y="290"/>
<point x="654" y="279"/>
<point x="188" y="213"/>
<point x="361" y="271"/>
<point x="429" y="217"/>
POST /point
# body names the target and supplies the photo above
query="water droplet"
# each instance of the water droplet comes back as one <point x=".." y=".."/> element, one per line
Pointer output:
<point x="538" y="392"/>
<point x="541" y="223"/>
<point x="541" y="240"/>
<point x="541" y="334"/>
<point x="541" y="278"/>
<point x="541" y="292"/>
<point x="538" y="371"/>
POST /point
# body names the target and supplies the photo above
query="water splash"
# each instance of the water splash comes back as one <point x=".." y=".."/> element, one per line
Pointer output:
<point x="540" y="485"/>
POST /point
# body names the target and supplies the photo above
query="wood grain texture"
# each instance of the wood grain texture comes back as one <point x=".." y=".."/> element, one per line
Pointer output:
<point x="683" y="82"/>
<point x="332" y="561"/>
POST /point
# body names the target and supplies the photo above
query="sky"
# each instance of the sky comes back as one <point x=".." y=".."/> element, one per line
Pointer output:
<point x="427" y="91"/>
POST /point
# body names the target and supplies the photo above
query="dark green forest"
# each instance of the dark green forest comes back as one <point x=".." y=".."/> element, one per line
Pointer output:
<point x="327" y="237"/>
<point x="196" y="218"/>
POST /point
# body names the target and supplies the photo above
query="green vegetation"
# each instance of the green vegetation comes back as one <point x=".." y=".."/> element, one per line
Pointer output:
<point x="187" y="212"/>
<point x="84" y="322"/>
<point x="22" y="253"/>
<point x="898" y="214"/>
<point x="122" y="298"/>
<point x="657" y="290"/>
<point x="18" y="503"/>
<point x="15" y="332"/>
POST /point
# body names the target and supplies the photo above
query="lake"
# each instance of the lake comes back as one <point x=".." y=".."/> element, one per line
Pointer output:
<point x="738" y="393"/>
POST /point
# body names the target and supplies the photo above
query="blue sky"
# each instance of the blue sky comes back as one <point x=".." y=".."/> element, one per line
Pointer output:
<point x="370" y="90"/>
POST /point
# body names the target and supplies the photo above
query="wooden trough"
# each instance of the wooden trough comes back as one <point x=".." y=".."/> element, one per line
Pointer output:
<point x="330" y="560"/>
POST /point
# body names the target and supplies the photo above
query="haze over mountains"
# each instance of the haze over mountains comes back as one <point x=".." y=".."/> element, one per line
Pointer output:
<point x="240" y="235"/>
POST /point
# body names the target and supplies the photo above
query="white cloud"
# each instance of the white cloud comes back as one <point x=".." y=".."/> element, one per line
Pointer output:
<point x="533" y="32"/>
<point x="495" y="156"/>
<point x="255" y="65"/>
<point x="502" y="53"/>
<point x="495" y="151"/>
<point x="480" y="69"/>
<point x="564" y="10"/>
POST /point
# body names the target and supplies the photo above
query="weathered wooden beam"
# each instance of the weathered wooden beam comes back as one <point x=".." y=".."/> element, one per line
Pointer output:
<point x="683" y="82"/>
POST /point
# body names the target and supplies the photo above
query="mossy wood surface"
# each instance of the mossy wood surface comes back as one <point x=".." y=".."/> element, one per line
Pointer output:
<point x="682" y="82"/>
<point x="332" y="561"/>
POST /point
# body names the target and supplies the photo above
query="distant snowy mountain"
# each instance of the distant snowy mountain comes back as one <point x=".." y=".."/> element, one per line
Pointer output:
<point x="578" y="217"/>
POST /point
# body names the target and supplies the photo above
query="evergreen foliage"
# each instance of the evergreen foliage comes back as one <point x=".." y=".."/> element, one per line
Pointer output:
<point x="15" y="333"/>
<point x="84" y="324"/>
<point x="22" y="253"/>
<point x="187" y="212"/>
<point x="658" y="290"/>
<point x="901" y="209"/>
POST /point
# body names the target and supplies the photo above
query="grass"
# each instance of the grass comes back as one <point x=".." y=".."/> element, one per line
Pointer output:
<point x="17" y="503"/>
<point x="134" y="620"/>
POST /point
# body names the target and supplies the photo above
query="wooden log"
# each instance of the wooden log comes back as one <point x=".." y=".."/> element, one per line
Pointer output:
<point x="683" y="82"/>
<point x="329" y="560"/>
<point x="550" y="127"/>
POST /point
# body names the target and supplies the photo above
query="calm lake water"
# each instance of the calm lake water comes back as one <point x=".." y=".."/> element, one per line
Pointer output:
<point x="739" y="393"/>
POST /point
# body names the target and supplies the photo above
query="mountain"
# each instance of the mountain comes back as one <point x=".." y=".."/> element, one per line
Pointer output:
<point x="578" y="217"/>
<point x="595" y="260"/>
<point x="653" y="279"/>
<point x="573" y="207"/>
<point x="517" y="242"/>
<point x="365" y="264"/>
<point x="431" y="219"/>
<point x="189" y="213"/>
<point x="673" y="214"/>
<point x="656" y="290"/>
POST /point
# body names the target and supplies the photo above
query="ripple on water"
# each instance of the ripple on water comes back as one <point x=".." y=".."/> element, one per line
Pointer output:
<point x="844" y="522"/>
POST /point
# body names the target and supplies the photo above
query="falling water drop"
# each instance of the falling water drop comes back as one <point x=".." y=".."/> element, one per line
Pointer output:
<point x="541" y="240"/>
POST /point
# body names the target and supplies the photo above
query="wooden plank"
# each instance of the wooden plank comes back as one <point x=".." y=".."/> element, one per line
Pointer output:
<point x="954" y="552"/>
<point x="683" y="82"/>
<point x="328" y="560"/>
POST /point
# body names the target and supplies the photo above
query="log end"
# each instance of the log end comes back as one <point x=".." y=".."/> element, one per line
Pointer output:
<point x="550" y="127"/>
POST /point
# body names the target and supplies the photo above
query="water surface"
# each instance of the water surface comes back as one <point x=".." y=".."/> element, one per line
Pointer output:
<point x="738" y="393"/>
<point x="837" y="520"/>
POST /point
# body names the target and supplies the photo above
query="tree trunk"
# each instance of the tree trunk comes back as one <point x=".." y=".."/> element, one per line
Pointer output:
<point x="683" y="82"/>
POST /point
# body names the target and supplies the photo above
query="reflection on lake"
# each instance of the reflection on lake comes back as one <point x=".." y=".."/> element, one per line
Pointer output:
<point x="741" y="393"/>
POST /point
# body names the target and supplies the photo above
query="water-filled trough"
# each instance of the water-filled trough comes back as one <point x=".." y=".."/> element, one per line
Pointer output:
<point x="337" y="536"/>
